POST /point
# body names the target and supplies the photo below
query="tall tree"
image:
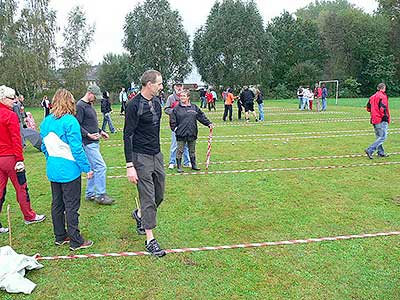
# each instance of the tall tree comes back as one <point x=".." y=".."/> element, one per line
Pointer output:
<point x="298" y="47"/>
<point x="78" y="35"/>
<point x="232" y="48"/>
<point x="156" y="39"/>
<point x="28" y="46"/>
<point x="391" y="10"/>
<point x="115" y="72"/>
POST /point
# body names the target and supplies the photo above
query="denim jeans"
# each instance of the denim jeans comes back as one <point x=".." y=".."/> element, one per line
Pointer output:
<point x="261" y="111"/>
<point x="97" y="184"/>
<point x="172" y="150"/>
<point x="203" y="101"/>
<point x="323" y="104"/>
<point x="381" y="131"/>
<point x="107" y="120"/>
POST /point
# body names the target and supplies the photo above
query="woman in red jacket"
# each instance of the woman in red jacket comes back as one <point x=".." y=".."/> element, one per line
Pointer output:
<point x="11" y="158"/>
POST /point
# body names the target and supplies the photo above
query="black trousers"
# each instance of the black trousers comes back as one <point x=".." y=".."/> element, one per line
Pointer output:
<point x="240" y="109"/>
<point x="228" y="108"/>
<point x="64" y="209"/>
<point x="151" y="185"/>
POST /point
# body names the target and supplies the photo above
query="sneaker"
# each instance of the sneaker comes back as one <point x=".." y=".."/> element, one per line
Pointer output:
<point x="383" y="155"/>
<point x="63" y="242"/>
<point x="37" y="219"/>
<point x="90" y="198"/>
<point x="86" y="244"/>
<point x="154" y="248"/>
<point x="139" y="227"/>
<point x="171" y="166"/>
<point x="3" y="230"/>
<point x="104" y="199"/>
<point x="368" y="154"/>
<point x="189" y="165"/>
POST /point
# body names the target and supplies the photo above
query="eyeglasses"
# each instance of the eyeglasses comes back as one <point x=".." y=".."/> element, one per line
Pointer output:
<point x="11" y="98"/>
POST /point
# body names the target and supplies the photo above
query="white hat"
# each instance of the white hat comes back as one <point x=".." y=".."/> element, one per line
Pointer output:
<point x="6" y="92"/>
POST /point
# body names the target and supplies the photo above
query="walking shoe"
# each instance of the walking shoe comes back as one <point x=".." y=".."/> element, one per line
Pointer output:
<point x="37" y="219"/>
<point x="62" y="242"/>
<point x="104" y="199"/>
<point x="86" y="244"/>
<point x="171" y="166"/>
<point x="154" y="248"/>
<point x="3" y="230"/>
<point x="90" y="198"/>
<point x="189" y="165"/>
<point x="383" y="155"/>
<point x="368" y="154"/>
<point x="139" y="227"/>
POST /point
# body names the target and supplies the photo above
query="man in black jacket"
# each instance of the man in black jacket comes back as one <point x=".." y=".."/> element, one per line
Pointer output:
<point x="106" y="110"/>
<point x="144" y="160"/>
<point x="248" y="101"/>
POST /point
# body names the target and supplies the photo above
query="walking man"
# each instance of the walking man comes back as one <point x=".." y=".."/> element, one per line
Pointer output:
<point x="172" y="101"/>
<point x="378" y="106"/>
<point x="144" y="160"/>
<point x="123" y="98"/>
<point x="91" y="134"/>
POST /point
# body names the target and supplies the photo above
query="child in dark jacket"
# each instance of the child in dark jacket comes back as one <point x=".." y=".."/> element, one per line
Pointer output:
<point x="183" y="121"/>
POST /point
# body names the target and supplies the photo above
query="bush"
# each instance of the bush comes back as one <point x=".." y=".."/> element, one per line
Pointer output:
<point x="281" y="92"/>
<point x="350" y="88"/>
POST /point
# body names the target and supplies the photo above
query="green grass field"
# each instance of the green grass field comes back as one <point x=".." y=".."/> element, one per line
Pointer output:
<point x="225" y="209"/>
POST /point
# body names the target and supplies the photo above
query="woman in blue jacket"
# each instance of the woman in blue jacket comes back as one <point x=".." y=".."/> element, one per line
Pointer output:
<point x="65" y="161"/>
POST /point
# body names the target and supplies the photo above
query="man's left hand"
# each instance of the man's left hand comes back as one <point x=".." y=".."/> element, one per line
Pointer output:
<point x="104" y="135"/>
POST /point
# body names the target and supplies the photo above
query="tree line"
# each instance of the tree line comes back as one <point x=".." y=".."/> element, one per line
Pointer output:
<point x="234" y="47"/>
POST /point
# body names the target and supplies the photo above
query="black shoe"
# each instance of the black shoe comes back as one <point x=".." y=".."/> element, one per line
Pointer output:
<point x="194" y="165"/>
<point x="154" y="248"/>
<point x="368" y="154"/>
<point x="179" y="165"/>
<point x="383" y="155"/>
<point x="139" y="227"/>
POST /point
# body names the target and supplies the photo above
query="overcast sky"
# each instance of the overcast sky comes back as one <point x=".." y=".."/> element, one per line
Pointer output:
<point x="109" y="17"/>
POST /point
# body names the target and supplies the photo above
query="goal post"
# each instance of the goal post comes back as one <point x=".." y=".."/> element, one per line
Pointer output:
<point x="336" y="84"/>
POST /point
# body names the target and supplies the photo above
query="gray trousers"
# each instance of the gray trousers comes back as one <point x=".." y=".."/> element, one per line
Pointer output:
<point x="191" y="146"/>
<point x="64" y="207"/>
<point x="151" y="185"/>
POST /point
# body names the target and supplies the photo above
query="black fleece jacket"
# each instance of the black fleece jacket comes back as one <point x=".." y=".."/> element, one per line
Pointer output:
<point x="183" y="121"/>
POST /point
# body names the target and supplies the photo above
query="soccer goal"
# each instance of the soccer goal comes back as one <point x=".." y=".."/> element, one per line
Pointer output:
<point x="336" y="86"/>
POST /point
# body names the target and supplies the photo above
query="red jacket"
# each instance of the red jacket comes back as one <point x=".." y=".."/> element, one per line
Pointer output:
<point x="10" y="136"/>
<point x="378" y="106"/>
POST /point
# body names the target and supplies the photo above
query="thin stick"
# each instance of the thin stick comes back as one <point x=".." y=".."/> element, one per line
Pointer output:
<point x="209" y="149"/>
<point x="138" y="207"/>
<point x="9" y="225"/>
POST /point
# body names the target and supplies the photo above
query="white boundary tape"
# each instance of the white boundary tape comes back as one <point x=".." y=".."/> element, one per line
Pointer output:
<point x="273" y="138"/>
<point x="278" y="159"/>
<point x="276" y="169"/>
<point x="238" y="246"/>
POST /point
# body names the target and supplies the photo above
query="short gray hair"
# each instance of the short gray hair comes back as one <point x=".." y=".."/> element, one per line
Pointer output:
<point x="149" y="75"/>
<point x="381" y="86"/>
<point x="6" y="92"/>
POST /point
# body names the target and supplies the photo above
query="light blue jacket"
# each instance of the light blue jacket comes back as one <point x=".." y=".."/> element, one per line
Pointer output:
<point x="62" y="146"/>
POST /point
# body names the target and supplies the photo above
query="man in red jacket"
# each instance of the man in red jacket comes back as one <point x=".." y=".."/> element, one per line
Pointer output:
<point x="378" y="106"/>
<point x="11" y="158"/>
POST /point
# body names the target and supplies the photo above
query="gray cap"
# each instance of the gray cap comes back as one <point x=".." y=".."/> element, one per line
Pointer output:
<point x="95" y="90"/>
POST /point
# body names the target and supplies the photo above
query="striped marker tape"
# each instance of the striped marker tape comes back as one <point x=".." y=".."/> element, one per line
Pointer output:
<point x="278" y="159"/>
<point x="275" y="169"/>
<point x="274" y="138"/>
<point x="238" y="246"/>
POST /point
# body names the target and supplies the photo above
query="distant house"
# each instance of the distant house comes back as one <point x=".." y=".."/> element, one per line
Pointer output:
<point x="92" y="76"/>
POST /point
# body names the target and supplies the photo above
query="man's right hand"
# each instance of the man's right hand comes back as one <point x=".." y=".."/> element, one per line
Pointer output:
<point x="93" y="136"/>
<point x="132" y="175"/>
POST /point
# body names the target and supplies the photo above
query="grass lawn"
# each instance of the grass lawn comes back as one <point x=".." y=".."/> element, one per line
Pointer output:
<point x="232" y="208"/>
